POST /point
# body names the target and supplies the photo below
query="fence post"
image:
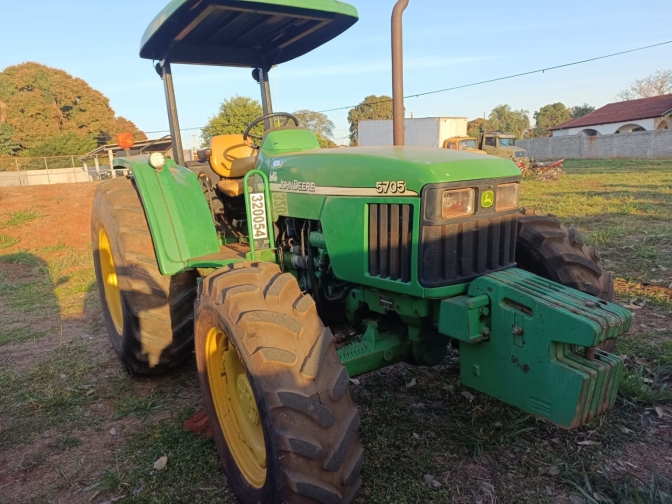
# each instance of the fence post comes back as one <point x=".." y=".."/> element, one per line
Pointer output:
<point x="73" y="161"/>
<point x="111" y="156"/>
<point x="46" y="167"/>
<point x="16" y="162"/>
<point x="97" y="167"/>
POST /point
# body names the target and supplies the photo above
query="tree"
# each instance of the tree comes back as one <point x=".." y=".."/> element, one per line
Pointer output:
<point x="476" y="126"/>
<point x="65" y="144"/>
<point x="8" y="147"/>
<point x="373" y="107"/>
<point x="552" y="115"/>
<point x="657" y="84"/>
<point x="317" y="122"/>
<point x="503" y="119"/>
<point x="235" y="114"/>
<point x="39" y="102"/>
<point x="582" y="110"/>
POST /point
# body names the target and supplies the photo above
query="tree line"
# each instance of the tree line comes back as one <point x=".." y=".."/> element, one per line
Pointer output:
<point x="47" y="112"/>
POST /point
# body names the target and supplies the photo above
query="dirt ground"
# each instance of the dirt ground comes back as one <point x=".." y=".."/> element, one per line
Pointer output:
<point x="74" y="428"/>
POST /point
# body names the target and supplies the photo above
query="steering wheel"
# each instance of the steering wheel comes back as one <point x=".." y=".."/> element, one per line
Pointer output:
<point x="247" y="135"/>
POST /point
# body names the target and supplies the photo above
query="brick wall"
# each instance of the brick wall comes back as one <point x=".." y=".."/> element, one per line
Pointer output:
<point x="644" y="144"/>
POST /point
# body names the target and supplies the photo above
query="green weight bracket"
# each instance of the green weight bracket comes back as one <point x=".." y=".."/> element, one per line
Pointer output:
<point x="540" y="354"/>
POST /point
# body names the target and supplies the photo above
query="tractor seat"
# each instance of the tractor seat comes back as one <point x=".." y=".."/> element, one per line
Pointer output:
<point x="230" y="158"/>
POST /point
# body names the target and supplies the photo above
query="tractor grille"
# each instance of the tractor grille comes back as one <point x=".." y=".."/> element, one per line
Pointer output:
<point x="390" y="228"/>
<point x="457" y="253"/>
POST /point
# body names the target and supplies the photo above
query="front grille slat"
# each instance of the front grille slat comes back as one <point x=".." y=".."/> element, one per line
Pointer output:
<point x="467" y="250"/>
<point x="448" y="268"/>
<point x="457" y="253"/>
<point x="493" y="250"/>
<point x="374" y="249"/>
<point x="395" y="267"/>
<point x="481" y="257"/>
<point x="383" y="240"/>
<point x="405" y="243"/>
<point x="390" y="251"/>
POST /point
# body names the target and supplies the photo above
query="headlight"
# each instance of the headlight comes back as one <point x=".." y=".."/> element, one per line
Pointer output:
<point x="157" y="160"/>
<point x="458" y="203"/>
<point x="507" y="197"/>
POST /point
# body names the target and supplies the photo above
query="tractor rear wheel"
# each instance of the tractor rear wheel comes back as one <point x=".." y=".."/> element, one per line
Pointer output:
<point x="547" y="248"/>
<point x="275" y="391"/>
<point x="149" y="317"/>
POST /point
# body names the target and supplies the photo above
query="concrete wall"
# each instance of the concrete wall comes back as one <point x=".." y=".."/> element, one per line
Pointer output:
<point x="644" y="144"/>
<point x="57" y="176"/>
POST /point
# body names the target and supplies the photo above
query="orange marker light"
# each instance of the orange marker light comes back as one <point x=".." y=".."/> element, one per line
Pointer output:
<point x="125" y="140"/>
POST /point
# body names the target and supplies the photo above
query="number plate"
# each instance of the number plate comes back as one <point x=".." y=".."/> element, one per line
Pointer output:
<point x="258" y="216"/>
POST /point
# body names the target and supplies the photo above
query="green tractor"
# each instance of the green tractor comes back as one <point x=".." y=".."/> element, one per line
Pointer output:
<point x="289" y="269"/>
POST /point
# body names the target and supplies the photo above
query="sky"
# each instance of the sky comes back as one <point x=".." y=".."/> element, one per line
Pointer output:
<point x="446" y="44"/>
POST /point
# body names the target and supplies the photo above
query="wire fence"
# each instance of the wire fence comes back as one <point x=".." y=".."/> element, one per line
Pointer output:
<point x="19" y="171"/>
<point x="20" y="163"/>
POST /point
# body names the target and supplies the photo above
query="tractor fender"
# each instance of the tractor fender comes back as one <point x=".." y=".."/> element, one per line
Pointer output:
<point x="177" y="213"/>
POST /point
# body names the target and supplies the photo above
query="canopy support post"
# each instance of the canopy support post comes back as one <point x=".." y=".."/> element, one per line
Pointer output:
<point x="266" y="102"/>
<point x="167" y="75"/>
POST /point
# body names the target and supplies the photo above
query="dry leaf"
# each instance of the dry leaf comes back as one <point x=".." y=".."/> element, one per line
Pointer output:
<point x="450" y="389"/>
<point x="625" y="430"/>
<point x="412" y="383"/>
<point x="659" y="411"/>
<point x="553" y="470"/>
<point x="354" y="381"/>
<point x="575" y="499"/>
<point x="160" y="464"/>
<point x="435" y="484"/>
<point x="485" y="487"/>
<point x="416" y="436"/>
<point x="587" y="443"/>
<point x="468" y="396"/>
<point x="427" y="479"/>
<point x="113" y="431"/>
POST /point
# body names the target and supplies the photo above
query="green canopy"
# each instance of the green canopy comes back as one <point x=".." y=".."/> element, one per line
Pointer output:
<point x="244" y="33"/>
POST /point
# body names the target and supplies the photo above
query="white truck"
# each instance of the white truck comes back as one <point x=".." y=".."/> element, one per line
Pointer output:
<point x="421" y="132"/>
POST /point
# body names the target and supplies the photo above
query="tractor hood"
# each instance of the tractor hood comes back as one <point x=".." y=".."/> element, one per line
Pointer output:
<point x="375" y="171"/>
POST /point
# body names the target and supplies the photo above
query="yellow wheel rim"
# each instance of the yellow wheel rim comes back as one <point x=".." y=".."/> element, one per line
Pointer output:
<point x="236" y="407"/>
<point x="110" y="282"/>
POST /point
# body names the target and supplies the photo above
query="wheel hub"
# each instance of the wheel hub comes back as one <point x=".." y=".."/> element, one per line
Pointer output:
<point x="110" y="282"/>
<point x="236" y="407"/>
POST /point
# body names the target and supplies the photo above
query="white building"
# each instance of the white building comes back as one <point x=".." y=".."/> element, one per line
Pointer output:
<point x="645" y="114"/>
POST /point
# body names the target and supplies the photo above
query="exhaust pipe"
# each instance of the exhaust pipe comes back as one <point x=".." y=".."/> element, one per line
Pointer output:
<point x="398" y="73"/>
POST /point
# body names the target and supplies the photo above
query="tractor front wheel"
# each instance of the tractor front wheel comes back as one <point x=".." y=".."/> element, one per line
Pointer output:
<point x="149" y="317"/>
<point x="547" y="248"/>
<point x="275" y="391"/>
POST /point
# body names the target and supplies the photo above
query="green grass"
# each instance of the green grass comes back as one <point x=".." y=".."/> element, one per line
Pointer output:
<point x="7" y="241"/>
<point x="193" y="473"/>
<point x="17" y="335"/>
<point x="46" y="396"/>
<point x="141" y="407"/>
<point x="60" y="246"/>
<point x="21" y="217"/>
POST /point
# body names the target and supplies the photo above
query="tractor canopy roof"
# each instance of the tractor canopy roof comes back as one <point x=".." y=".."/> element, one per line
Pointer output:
<point x="243" y="33"/>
